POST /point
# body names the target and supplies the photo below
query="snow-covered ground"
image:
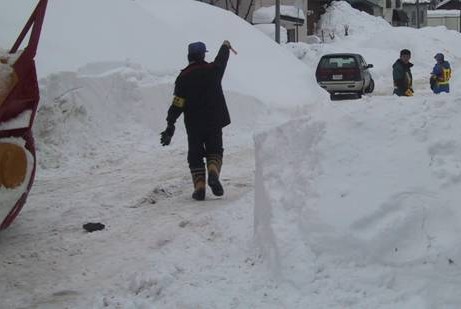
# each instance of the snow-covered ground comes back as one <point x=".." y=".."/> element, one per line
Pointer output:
<point x="343" y="204"/>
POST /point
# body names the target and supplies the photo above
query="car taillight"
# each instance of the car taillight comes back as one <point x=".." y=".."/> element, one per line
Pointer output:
<point x="323" y="74"/>
<point x="352" y="74"/>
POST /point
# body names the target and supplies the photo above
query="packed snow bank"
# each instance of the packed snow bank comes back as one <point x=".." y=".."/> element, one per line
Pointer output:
<point x="81" y="115"/>
<point x="89" y="114"/>
<point x="120" y="85"/>
<point x="387" y="205"/>
<point x="380" y="44"/>
<point x="269" y="30"/>
<point x="108" y="77"/>
<point x="156" y="36"/>
<point x="340" y="14"/>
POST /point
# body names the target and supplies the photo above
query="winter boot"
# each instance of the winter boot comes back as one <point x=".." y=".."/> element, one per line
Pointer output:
<point x="214" y="163"/>
<point x="198" y="177"/>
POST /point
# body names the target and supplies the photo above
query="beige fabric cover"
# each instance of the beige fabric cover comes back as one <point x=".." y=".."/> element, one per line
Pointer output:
<point x="13" y="165"/>
<point x="8" y="79"/>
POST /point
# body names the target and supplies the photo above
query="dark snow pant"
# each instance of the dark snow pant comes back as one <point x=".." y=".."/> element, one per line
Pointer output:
<point x="208" y="144"/>
<point x="441" y="88"/>
<point x="204" y="144"/>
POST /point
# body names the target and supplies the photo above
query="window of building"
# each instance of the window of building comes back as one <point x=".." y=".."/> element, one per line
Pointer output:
<point x="421" y="17"/>
<point x="388" y="4"/>
<point x="398" y="4"/>
<point x="413" y="18"/>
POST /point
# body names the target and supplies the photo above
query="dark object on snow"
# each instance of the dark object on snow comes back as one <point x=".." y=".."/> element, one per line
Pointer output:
<point x="92" y="227"/>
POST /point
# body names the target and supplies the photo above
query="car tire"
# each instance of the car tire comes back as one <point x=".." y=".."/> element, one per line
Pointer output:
<point x="371" y="86"/>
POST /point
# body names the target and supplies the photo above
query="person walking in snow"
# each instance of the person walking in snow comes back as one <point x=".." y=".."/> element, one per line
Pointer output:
<point x="198" y="94"/>
<point x="401" y="73"/>
<point x="440" y="75"/>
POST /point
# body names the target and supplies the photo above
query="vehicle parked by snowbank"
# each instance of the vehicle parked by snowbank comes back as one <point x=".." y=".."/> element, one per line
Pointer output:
<point x="344" y="73"/>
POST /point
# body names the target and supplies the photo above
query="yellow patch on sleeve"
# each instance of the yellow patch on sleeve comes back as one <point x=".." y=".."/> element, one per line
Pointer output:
<point x="179" y="102"/>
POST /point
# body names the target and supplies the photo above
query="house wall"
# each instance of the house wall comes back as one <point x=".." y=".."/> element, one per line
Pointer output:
<point x="451" y="22"/>
<point x="387" y="11"/>
<point x="377" y="11"/>
<point x="411" y="11"/>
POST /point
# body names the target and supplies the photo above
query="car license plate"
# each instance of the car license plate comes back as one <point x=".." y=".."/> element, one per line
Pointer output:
<point x="337" y="76"/>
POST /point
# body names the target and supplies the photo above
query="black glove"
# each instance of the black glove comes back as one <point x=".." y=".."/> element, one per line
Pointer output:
<point x="165" y="136"/>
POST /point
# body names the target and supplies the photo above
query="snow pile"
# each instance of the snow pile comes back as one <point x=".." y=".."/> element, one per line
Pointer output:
<point x="385" y="206"/>
<point x="340" y="14"/>
<point x="157" y="38"/>
<point x="355" y="201"/>
<point x="81" y="114"/>
<point x="118" y="90"/>
<point x="269" y="30"/>
<point x="370" y="216"/>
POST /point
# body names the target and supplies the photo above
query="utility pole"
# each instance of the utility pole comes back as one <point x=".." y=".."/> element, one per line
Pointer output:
<point x="417" y="14"/>
<point x="277" y="21"/>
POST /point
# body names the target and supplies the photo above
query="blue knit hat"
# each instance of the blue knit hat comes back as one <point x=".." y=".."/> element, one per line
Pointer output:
<point x="197" y="48"/>
<point x="439" y="57"/>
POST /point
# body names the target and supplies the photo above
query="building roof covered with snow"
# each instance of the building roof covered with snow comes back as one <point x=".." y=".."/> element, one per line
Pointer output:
<point x="414" y="2"/>
<point x="443" y="13"/>
<point x="266" y="15"/>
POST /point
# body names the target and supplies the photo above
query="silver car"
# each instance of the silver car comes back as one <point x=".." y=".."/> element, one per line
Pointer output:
<point x="344" y="73"/>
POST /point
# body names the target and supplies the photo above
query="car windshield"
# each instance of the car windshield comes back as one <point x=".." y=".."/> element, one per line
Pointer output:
<point x="338" y="62"/>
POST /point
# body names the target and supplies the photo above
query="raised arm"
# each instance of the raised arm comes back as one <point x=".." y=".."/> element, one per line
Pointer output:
<point x="222" y="57"/>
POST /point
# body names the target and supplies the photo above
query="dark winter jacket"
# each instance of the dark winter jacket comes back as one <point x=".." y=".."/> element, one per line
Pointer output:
<point x="198" y="94"/>
<point x="403" y="79"/>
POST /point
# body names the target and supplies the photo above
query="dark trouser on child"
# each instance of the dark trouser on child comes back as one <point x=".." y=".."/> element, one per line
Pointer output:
<point x="441" y="87"/>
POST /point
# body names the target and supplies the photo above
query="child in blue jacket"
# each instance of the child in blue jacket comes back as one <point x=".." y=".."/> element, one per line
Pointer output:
<point x="441" y="74"/>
